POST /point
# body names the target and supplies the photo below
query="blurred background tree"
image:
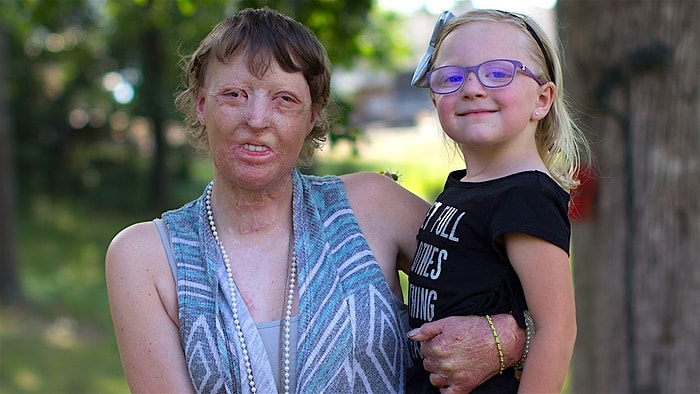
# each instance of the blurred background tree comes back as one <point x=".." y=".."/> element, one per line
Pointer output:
<point x="90" y="87"/>
<point x="9" y="288"/>
<point x="632" y="68"/>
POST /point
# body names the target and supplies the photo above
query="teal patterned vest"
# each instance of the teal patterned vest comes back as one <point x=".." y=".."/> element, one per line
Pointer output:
<point x="352" y="328"/>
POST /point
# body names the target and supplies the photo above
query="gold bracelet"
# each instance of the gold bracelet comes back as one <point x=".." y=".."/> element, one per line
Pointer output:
<point x="498" y="345"/>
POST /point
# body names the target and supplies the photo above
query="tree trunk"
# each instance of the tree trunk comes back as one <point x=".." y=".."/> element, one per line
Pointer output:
<point x="633" y="72"/>
<point x="9" y="287"/>
<point x="152" y="46"/>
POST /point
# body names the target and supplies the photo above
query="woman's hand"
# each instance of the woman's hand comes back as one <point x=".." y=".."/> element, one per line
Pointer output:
<point x="460" y="352"/>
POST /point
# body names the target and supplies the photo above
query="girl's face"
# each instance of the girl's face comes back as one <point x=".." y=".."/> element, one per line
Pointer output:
<point x="255" y="127"/>
<point x="478" y="117"/>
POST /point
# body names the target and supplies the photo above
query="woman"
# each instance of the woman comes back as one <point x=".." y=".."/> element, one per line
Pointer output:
<point x="270" y="281"/>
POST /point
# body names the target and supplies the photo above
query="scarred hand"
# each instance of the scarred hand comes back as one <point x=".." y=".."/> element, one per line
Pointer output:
<point x="460" y="352"/>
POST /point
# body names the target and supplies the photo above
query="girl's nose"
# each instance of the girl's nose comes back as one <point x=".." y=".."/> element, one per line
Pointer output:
<point x="472" y="86"/>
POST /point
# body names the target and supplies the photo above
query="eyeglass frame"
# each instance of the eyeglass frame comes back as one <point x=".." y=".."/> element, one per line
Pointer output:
<point x="517" y="65"/>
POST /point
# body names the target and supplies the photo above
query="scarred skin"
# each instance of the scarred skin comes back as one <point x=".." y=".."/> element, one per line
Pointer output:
<point x="460" y="352"/>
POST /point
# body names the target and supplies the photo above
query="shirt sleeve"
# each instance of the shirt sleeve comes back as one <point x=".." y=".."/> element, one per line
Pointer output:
<point x="538" y="211"/>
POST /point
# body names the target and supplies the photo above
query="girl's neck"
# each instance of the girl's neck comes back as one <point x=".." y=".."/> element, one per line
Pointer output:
<point x="483" y="167"/>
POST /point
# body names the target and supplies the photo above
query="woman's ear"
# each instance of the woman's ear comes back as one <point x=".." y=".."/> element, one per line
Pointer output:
<point x="547" y="94"/>
<point x="314" y="118"/>
<point x="201" y="100"/>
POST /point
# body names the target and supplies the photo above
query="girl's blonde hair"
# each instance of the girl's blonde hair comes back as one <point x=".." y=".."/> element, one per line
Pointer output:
<point x="560" y="143"/>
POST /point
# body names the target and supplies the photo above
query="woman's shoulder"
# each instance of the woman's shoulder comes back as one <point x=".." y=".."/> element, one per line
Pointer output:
<point x="136" y="255"/>
<point x="138" y="239"/>
<point x="380" y="196"/>
<point x="372" y="187"/>
<point x="365" y="179"/>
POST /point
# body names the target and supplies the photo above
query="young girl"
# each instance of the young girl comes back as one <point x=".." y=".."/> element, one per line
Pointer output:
<point x="497" y="238"/>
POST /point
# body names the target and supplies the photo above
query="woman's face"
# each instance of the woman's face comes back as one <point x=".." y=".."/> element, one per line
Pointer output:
<point x="255" y="127"/>
<point x="475" y="116"/>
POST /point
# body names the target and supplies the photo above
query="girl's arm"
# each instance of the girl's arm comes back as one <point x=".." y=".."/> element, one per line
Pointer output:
<point x="143" y="302"/>
<point x="545" y="274"/>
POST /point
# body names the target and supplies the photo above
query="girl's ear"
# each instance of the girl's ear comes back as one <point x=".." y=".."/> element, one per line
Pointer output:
<point x="544" y="101"/>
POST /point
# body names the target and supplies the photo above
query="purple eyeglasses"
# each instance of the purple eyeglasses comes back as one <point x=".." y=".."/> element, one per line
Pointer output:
<point x="495" y="73"/>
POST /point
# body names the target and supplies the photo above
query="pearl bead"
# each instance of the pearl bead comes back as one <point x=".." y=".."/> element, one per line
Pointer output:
<point x="234" y="303"/>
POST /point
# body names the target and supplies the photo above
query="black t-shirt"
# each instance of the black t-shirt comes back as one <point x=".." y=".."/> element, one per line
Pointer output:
<point x="461" y="266"/>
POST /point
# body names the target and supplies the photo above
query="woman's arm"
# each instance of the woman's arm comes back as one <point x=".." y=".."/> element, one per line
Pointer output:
<point x="389" y="216"/>
<point x="545" y="274"/>
<point x="143" y="302"/>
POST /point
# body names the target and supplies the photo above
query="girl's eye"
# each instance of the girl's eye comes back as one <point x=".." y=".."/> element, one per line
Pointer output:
<point x="454" y="78"/>
<point x="497" y="73"/>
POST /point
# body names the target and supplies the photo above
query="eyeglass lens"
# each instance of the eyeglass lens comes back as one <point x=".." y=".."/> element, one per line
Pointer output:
<point x="491" y="74"/>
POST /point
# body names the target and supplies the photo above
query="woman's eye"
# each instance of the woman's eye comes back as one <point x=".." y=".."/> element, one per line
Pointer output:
<point x="287" y="99"/>
<point x="229" y="95"/>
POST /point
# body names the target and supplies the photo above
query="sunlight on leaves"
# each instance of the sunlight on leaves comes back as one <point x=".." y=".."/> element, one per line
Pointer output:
<point x="27" y="380"/>
<point x="62" y="333"/>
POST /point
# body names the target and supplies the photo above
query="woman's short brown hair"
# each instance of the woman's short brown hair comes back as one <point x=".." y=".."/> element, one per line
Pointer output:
<point x="263" y="36"/>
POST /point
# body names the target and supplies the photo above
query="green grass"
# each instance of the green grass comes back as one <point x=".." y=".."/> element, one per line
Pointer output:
<point x="59" y="338"/>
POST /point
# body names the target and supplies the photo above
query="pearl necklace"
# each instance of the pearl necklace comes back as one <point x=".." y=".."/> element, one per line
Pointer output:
<point x="285" y="333"/>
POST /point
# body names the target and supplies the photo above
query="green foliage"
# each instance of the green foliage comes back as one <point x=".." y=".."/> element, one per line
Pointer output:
<point x="336" y="23"/>
<point x="70" y="135"/>
<point x="350" y="30"/>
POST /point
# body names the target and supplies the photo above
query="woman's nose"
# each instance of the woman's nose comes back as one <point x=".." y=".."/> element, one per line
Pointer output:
<point x="257" y="111"/>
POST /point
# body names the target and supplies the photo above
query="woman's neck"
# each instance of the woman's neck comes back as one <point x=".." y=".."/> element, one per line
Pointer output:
<point x="251" y="212"/>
